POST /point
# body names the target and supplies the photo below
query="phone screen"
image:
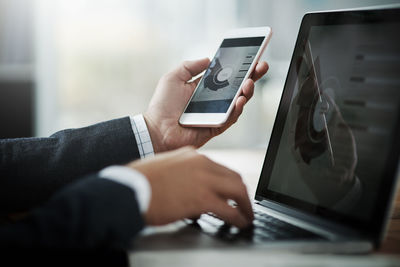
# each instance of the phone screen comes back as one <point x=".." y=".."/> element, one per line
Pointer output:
<point x="224" y="76"/>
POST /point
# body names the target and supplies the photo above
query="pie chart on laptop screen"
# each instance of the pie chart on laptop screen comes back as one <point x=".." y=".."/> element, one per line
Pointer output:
<point x="316" y="102"/>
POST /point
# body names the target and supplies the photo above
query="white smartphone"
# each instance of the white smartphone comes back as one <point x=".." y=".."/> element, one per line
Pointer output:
<point x="215" y="95"/>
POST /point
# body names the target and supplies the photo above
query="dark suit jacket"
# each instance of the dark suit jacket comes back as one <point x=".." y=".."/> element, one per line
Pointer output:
<point x="55" y="180"/>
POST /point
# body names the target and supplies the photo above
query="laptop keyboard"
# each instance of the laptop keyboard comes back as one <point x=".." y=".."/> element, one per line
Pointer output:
<point x="264" y="228"/>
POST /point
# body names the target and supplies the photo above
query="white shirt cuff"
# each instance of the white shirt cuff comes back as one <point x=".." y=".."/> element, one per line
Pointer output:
<point x="132" y="179"/>
<point x="142" y="136"/>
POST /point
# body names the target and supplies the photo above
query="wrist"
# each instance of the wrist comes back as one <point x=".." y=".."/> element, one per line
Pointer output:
<point x="155" y="133"/>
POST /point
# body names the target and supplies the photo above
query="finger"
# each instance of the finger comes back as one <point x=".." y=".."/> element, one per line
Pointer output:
<point x="235" y="189"/>
<point x="188" y="69"/>
<point x="237" y="110"/>
<point x="260" y="70"/>
<point x="248" y="89"/>
<point x="226" y="212"/>
<point x="229" y="184"/>
<point x="240" y="102"/>
<point x="234" y="116"/>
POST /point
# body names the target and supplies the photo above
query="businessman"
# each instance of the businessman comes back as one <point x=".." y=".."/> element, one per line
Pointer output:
<point x="86" y="188"/>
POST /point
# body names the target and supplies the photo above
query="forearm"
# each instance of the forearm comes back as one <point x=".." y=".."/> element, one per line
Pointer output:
<point x="90" y="214"/>
<point x="32" y="169"/>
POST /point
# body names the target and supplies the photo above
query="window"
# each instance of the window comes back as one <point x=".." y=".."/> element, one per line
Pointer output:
<point x="103" y="58"/>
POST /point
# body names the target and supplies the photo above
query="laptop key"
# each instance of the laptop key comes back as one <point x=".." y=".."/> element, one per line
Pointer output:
<point x="264" y="228"/>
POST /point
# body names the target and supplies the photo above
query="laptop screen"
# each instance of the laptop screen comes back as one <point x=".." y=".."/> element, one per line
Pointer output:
<point x="334" y="150"/>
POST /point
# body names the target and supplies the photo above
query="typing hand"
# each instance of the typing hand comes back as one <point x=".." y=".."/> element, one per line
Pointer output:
<point x="185" y="184"/>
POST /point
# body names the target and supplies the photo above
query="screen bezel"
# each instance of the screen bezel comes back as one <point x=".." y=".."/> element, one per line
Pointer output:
<point x="218" y="119"/>
<point x="373" y="227"/>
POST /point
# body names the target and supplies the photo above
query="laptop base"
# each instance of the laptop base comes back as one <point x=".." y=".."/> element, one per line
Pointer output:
<point x="184" y="236"/>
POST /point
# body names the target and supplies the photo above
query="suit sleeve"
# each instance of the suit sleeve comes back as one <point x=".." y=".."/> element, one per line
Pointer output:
<point x="32" y="169"/>
<point x="90" y="214"/>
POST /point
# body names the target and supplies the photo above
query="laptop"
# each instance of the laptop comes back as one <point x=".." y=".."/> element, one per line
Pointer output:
<point x="329" y="176"/>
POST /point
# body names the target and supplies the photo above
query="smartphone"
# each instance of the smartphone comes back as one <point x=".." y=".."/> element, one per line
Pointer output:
<point x="216" y="93"/>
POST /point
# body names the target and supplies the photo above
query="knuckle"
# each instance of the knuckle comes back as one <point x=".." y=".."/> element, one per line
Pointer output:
<point x="236" y="176"/>
<point x="240" y="188"/>
<point x="188" y="153"/>
<point x="185" y="70"/>
<point x="185" y="63"/>
<point x="202" y="159"/>
<point x="188" y="149"/>
<point x="165" y="77"/>
<point x="241" y="184"/>
<point x="243" y="188"/>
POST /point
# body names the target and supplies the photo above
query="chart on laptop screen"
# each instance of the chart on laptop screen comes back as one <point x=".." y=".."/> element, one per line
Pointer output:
<point x="341" y="117"/>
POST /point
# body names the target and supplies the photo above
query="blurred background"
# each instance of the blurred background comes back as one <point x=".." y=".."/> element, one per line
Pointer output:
<point x="71" y="63"/>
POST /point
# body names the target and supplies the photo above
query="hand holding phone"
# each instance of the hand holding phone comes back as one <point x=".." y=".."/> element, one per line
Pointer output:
<point x="215" y="96"/>
<point x="171" y="96"/>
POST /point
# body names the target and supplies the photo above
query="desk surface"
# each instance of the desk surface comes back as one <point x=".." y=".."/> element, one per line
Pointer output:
<point x="248" y="163"/>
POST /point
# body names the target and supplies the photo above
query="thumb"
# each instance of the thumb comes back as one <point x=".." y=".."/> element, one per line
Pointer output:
<point x="190" y="68"/>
